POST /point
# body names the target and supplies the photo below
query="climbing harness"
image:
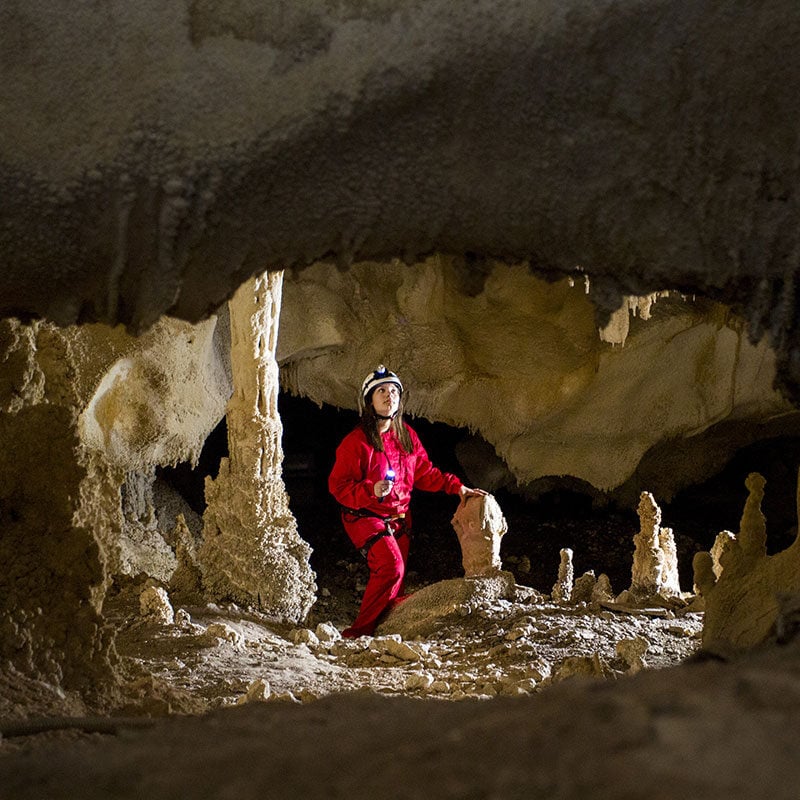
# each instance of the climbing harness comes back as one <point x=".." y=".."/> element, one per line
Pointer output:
<point x="394" y="525"/>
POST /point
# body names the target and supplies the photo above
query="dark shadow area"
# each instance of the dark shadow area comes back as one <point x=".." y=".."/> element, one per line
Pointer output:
<point x="702" y="511"/>
<point x="189" y="481"/>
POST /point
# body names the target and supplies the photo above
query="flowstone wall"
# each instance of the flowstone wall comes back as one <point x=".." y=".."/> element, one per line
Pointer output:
<point x="520" y="361"/>
<point x="85" y="410"/>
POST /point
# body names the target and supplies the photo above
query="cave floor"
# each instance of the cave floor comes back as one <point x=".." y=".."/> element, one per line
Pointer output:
<point x="510" y="711"/>
<point x="501" y="648"/>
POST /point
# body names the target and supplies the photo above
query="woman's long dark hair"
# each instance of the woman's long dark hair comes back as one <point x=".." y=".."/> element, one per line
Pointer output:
<point x="369" y="424"/>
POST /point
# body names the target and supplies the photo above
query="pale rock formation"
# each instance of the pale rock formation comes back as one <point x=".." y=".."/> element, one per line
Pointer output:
<point x="562" y="588"/>
<point x="602" y="591"/>
<point x="429" y="608"/>
<point x="721" y="545"/>
<point x="259" y="691"/>
<point x="633" y="651"/>
<point x="519" y="362"/>
<point x="86" y="414"/>
<point x="581" y="667"/>
<point x="221" y="631"/>
<point x="154" y="605"/>
<point x="327" y="633"/>
<point x="142" y="547"/>
<point x="744" y="601"/>
<point x="395" y="647"/>
<point x="251" y="551"/>
<point x="153" y="399"/>
<point x="185" y="581"/>
<point x="584" y="587"/>
<point x="304" y="636"/>
<point x="480" y="525"/>
<point x="618" y="326"/>
<point x="419" y="681"/>
<point x="21" y="380"/>
<point x="654" y="573"/>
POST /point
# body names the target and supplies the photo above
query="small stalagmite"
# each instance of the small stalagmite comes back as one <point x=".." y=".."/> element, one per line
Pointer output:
<point x="562" y="589"/>
<point x="480" y="525"/>
<point x="655" y="560"/>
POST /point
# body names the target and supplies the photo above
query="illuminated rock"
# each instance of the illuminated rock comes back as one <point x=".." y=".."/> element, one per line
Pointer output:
<point x="655" y="561"/>
<point x="251" y="551"/>
<point x="480" y="525"/>
<point x="743" y="604"/>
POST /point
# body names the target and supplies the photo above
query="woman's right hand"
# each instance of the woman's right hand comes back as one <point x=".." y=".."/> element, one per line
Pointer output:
<point x="382" y="488"/>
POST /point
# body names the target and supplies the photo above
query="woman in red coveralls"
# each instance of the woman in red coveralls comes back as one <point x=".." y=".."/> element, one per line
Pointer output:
<point x="377" y="465"/>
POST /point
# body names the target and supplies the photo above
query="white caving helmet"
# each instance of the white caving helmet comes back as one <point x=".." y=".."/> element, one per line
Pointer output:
<point x="381" y="375"/>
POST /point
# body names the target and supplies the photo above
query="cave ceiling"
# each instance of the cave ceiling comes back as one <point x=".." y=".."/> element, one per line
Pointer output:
<point x="154" y="156"/>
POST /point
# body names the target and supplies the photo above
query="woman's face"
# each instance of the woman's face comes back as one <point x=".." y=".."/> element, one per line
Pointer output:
<point x="386" y="399"/>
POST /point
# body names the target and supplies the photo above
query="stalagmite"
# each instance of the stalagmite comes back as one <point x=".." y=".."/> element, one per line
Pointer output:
<point x="480" y="525"/>
<point x="562" y="590"/>
<point x="655" y="560"/>
<point x="583" y="588"/>
<point x="154" y="604"/>
<point x="251" y="551"/>
<point x="721" y="545"/>
<point x="186" y="580"/>
<point x="745" y="599"/>
<point x="633" y="652"/>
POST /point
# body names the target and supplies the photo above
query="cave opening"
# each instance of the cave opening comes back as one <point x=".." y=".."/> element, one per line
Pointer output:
<point x="189" y="479"/>
<point x="599" y="530"/>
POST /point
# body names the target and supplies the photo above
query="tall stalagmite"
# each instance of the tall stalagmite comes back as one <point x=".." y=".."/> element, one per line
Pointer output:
<point x="251" y="551"/>
<point x="749" y="595"/>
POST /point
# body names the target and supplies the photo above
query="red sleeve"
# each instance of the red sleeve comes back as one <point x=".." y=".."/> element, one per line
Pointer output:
<point x="349" y="481"/>
<point x="430" y="478"/>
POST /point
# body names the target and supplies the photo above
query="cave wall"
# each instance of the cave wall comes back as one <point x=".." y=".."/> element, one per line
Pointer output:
<point x="153" y="157"/>
<point x="521" y="362"/>
<point x="83" y="410"/>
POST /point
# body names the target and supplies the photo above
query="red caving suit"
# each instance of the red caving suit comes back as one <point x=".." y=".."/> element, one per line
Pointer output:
<point x="357" y="468"/>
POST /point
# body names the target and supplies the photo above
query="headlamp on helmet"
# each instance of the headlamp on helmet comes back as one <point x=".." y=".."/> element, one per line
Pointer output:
<point x="380" y="376"/>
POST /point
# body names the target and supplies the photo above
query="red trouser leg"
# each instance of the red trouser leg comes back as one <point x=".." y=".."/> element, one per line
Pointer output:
<point x="387" y="568"/>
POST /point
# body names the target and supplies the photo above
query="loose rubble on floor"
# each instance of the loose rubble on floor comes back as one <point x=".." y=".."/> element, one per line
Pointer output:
<point x="214" y="655"/>
<point x="472" y="638"/>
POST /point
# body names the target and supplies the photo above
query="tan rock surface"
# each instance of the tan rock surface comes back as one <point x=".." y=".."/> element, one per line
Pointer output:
<point x="520" y="362"/>
<point x="251" y="551"/>
<point x="480" y="526"/>
<point x="745" y="601"/>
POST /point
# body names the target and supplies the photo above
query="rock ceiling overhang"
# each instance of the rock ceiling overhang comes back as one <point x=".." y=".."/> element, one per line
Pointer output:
<point x="154" y="156"/>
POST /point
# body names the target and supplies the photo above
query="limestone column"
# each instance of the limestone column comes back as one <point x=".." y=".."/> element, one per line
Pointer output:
<point x="251" y="551"/>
